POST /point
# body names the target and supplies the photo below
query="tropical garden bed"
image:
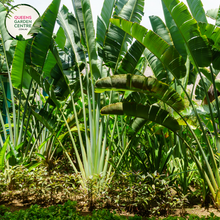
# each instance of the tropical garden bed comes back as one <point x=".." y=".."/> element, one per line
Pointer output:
<point x="143" y="195"/>
<point x="81" y="122"/>
<point x="68" y="211"/>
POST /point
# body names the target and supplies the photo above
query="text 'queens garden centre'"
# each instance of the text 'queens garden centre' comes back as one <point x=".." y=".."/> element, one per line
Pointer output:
<point x="20" y="20"/>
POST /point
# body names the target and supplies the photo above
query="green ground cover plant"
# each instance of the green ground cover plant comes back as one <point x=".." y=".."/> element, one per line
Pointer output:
<point x="68" y="211"/>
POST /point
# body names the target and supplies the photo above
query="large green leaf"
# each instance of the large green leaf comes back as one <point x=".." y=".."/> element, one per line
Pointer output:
<point x="84" y="15"/>
<point x="69" y="25"/>
<point x="197" y="44"/>
<point x="197" y="10"/>
<point x="4" y="34"/>
<point x="177" y="38"/>
<point x="160" y="29"/>
<point x="116" y="40"/>
<point x="131" y="58"/>
<point x="41" y="42"/>
<point x="5" y="40"/>
<point x="132" y="11"/>
<point x="50" y="59"/>
<point x="19" y="75"/>
<point x="47" y="87"/>
<point x="166" y="53"/>
<point x="46" y="119"/>
<point x="3" y="153"/>
<point x="50" y="62"/>
<point x="59" y="79"/>
<point x="77" y="5"/>
<point x="213" y="34"/>
<point x="60" y="38"/>
<point x="55" y="75"/>
<point x="151" y="113"/>
<point x="157" y="67"/>
<point x="214" y="14"/>
<point x="103" y="21"/>
<point x="61" y="88"/>
<point x="137" y="124"/>
<point x="148" y="85"/>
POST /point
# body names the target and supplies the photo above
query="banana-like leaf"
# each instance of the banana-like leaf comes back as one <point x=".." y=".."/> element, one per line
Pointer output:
<point x="50" y="59"/>
<point x="177" y="38"/>
<point x="77" y="5"/>
<point x="213" y="34"/>
<point x="61" y="88"/>
<point x="116" y="40"/>
<point x="69" y="25"/>
<point x="141" y="66"/>
<point x="137" y="124"/>
<point x="197" y="44"/>
<point x="197" y="10"/>
<point x="27" y="54"/>
<point x="207" y="29"/>
<point x="131" y="58"/>
<point x="148" y="85"/>
<point x="52" y="65"/>
<point x="84" y="16"/>
<point x="4" y="34"/>
<point x="160" y="29"/>
<point x="35" y="27"/>
<point x="218" y="18"/>
<point x="60" y="38"/>
<point x="50" y="62"/>
<point x="157" y="67"/>
<point x="57" y="74"/>
<point x="46" y="119"/>
<point x="41" y="42"/>
<point x="202" y="110"/>
<point x="47" y="87"/>
<point x="103" y="21"/>
<point x="148" y="112"/>
<point x="119" y="6"/>
<point x="132" y="11"/>
<point x="166" y="53"/>
<point x="2" y="154"/>
<point x="214" y="14"/>
<point x="6" y="40"/>
<point x="19" y="75"/>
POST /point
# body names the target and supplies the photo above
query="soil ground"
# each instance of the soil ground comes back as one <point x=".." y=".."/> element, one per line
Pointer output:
<point x="197" y="210"/>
